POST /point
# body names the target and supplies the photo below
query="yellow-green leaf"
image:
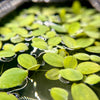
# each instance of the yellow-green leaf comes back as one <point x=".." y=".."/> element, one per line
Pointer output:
<point x="12" y="77"/>
<point x="82" y="92"/>
<point x="52" y="74"/>
<point x="53" y="59"/>
<point x="88" y="67"/>
<point x="70" y="62"/>
<point x="71" y="74"/>
<point x="59" y="93"/>
<point x="6" y="96"/>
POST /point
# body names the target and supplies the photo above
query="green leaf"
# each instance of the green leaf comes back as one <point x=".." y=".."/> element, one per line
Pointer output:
<point x="62" y="14"/>
<point x="5" y="96"/>
<point x="70" y="62"/>
<point x="92" y="79"/>
<point x="27" y="61"/>
<point x="84" y="42"/>
<point x="52" y="74"/>
<point x="73" y="28"/>
<point x="54" y="41"/>
<point x="39" y="43"/>
<point x="92" y="32"/>
<point x="20" y="31"/>
<point x="93" y="49"/>
<point x="82" y="56"/>
<point x="76" y="7"/>
<point x="95" y="58"/>
<point x="58" y="93"/>
<point x="88" y="67"/>
<point x="8" y="46"/>
<point x="26" y="20"/>
<point x="71" y="74"/>
<point x="6" y="53"/>
<point x="69" y="42"/>
<point x="5" y="30"/>
<point x="58" y="28"/>
<point x="0" y="44"/>
<point x="53" y="59"/>
<point x="82" y="92"/>
<point x="51" y="34"/>
<point x="17" y="39"/>
<point x="20" y="47"/>
<point x="12" y="77"/>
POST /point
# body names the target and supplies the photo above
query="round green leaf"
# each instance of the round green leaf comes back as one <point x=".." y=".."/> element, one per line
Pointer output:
<point x="58" y="93"/>
<point x="69" y="42"/>
<point x="92" y="79"/>
<point x="52" y="74"/>
<point x="21" y="31"/>
<point x="71" y="74"/>
<point x="54" y="41"/>
<point x="82" y="92"/>
<point x="39" y="43"/>
<point x="53" y="59"/>
<point x="6" y="53"/>
<point x="8" y="46"/>
<point x="82" y="56"/>
<point x="17" y="39"/>
<point x="84" y="42"/>
<point x="51" y="34"/>
<point x="12" y="77"/>
<point x="5" y="96"/>
<point x="20" y="47"/>
<point x="73" y="28"/>
<point x="88" y="67"/>
<point x="93" y="49"/>
<point x="58" y="28"/>
<point x="27" y="61"/>
<point x="95" y="58"/>
<point x="70" y="62"/>
<point x="26" y="20"/>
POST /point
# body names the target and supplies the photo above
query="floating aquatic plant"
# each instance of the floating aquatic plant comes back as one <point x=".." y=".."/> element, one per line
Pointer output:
<point x="64" y="42"/>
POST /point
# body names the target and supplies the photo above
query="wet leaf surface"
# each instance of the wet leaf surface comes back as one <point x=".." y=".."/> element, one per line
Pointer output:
<point x="59" y="93"/>
<point x="12" y="77"/>
<point x="82" y="92"/>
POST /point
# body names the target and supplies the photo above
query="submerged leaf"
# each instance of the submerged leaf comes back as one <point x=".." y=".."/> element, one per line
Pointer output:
<point x="12" y="77"/>
<point x="88" y="67"/>
<point x="58" y="93"/>
<point x="53" y="59"/>
<point x="71" y="74"/>
<point x="82" y="92"/>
